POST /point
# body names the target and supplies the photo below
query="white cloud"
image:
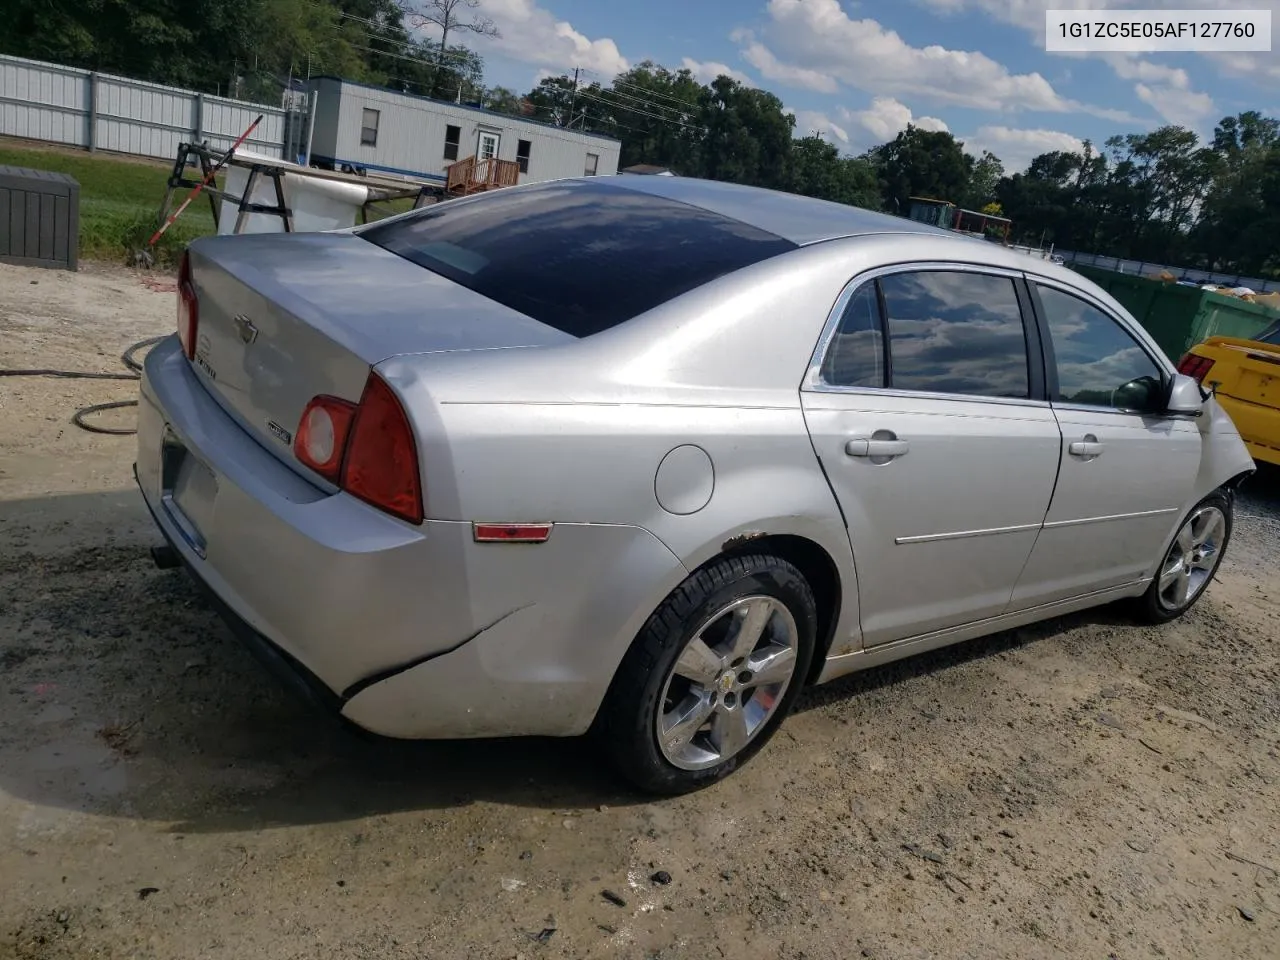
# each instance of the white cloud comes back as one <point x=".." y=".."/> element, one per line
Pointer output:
<point x="1262" y="68"/>
<point x="834" y="48"/>
<point x="531" y="34"/>
<point x="760" y="57"/>
<point x="705" y="71"/>
<point x="1181" y="107"/>
<point x="809" y="122"/>
<point x="858" y="130"/>
<point x="1165" y="89"/>
<point x="1017" y="148"/>
<point x="1027" y="14"/>
<point x="886" y="118"/>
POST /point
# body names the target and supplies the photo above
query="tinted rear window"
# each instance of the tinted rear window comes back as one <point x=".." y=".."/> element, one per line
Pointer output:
<point x="580" y="257"/>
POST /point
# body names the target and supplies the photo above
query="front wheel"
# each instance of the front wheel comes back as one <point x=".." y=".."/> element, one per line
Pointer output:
<point x="711" y="675"/>
<point x="1190" y="562"/>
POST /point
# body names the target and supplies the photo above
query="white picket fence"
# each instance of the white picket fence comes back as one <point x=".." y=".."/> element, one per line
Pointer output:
<point x="98" y="111"/>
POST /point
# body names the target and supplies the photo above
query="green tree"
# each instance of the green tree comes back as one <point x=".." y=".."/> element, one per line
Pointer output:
<point x="658" y="115"/>
<point x="560" y="101"/>
<point x="1239" y="226"/>
<point x="502" y="100"/>
<point x="986" y="173"/>
<point x="922" y="163"/>
<point x="248" y="48"/>
<point x="818" y="170"/>
<point x="748" y="136"/>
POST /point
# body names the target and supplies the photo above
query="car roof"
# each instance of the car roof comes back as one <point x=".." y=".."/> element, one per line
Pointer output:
<point x="802" y="220"/>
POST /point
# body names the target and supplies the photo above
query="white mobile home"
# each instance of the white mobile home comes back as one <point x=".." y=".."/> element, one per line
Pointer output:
<point x="379" y="130"/>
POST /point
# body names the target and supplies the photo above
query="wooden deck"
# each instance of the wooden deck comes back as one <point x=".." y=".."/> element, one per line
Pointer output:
<point x="469" y="175"/>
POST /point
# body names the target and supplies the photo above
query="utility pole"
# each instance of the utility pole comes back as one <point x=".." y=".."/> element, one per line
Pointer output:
<point x="573" y="97"/>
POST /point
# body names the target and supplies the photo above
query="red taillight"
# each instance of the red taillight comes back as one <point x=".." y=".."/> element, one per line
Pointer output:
<point x="367" y="449"/>
<point x="188" y="309"/>
<point x="1195" y="366"/>
<point x="381" y="462"/>
<point x="322" y="435"/>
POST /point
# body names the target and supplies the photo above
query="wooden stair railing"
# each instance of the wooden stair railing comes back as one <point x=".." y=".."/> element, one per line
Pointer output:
<point x="470" y="175"/>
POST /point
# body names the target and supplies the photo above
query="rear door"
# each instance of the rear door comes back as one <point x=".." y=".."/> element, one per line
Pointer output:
<point x="925" y="405"/>
<point x="1126" y="473"/>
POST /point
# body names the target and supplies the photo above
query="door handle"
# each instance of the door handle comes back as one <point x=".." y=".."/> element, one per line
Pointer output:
<point x="1088" y="447"/>
<point x="876" y="448"/>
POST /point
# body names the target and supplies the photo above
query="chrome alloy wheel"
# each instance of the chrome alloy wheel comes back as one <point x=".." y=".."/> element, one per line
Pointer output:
<point x="1192" y="558"/>
<point x="727" y="682"/>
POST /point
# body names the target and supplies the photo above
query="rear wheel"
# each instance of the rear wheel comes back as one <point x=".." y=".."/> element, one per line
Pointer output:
<point x="1190" y="562"/>
<point x="711" y="675"/>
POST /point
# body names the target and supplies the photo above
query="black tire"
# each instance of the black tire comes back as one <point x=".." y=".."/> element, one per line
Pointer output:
<point x="625" y="727"/>
<point x="1149" y="608"/>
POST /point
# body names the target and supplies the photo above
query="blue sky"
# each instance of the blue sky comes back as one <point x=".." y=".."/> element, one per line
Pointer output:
<point x="857" y="71"/>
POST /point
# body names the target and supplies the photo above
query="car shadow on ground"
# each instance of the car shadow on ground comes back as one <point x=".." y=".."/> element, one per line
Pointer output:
<point x="127" y="696"/>
<point x="1261" y="492"/>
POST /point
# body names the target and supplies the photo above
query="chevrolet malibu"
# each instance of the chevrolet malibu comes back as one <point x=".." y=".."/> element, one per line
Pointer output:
<point x="645" y="456"/>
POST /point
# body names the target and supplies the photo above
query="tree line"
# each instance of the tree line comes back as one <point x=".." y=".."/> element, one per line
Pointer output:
<point x="1160" y="196"/>
<point x="250" y="49"/>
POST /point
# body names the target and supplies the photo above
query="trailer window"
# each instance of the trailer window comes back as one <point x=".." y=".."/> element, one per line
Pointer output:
<point x="593" y="164"/>
<point x="369" y="128"/>
<point x="523" y="147"/>
<point x="581" y="256"/>
<point x="452" y="138"/>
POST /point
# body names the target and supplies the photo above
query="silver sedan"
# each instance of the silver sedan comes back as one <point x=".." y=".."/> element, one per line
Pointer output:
<point x="644" y="456"/>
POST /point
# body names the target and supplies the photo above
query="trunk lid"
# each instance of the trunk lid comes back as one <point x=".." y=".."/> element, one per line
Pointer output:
<point x="284" y="318"/>
<point x="1249" y="370"/>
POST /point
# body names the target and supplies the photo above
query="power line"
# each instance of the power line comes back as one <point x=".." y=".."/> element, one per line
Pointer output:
<point x="642" y="102"/>
<point x="625" y="101"/>
<point x="655" y="93"/>
<point x="365" y="20"/>
<point x="400" y="56"/>
<point x="642" y="113"/>
<point x="380" y="25"/>
<point x="617" y="82"/>
<point x="442" y="54"/>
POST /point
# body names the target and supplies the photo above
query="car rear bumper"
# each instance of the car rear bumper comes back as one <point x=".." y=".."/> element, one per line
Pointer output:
<point x="1258" y="425"/>
<point x="408" y="631"/>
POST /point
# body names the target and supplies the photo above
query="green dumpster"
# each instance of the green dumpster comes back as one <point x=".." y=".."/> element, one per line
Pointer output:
<point x="1179" y="317"/>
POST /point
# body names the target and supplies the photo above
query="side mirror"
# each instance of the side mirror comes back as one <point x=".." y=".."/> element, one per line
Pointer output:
<point x="1143" y="395"/>
<point x="1185" y="396"/>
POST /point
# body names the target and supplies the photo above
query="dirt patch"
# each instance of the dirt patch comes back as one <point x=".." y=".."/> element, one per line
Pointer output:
<point x="1080" y="788"/>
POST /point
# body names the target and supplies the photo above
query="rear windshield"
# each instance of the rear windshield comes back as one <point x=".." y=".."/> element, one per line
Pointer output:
<point x="579" y="256"/>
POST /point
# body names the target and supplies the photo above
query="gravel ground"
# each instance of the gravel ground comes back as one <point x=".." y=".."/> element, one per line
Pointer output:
<point x="1080" y="788"/>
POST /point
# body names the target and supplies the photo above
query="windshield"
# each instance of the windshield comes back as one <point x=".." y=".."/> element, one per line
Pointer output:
<point x="579" y="256"/>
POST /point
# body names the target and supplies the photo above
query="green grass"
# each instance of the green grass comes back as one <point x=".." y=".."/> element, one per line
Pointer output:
<point x="119" y="202"/>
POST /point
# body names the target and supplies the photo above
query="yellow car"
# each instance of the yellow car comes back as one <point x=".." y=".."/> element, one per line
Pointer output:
<point x="1246" y="376"/>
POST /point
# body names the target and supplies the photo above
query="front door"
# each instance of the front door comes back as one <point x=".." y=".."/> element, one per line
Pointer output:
<point x="929" y="421"/>
<point x="1128" y="469"/>
<point x="486" y="149"/>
